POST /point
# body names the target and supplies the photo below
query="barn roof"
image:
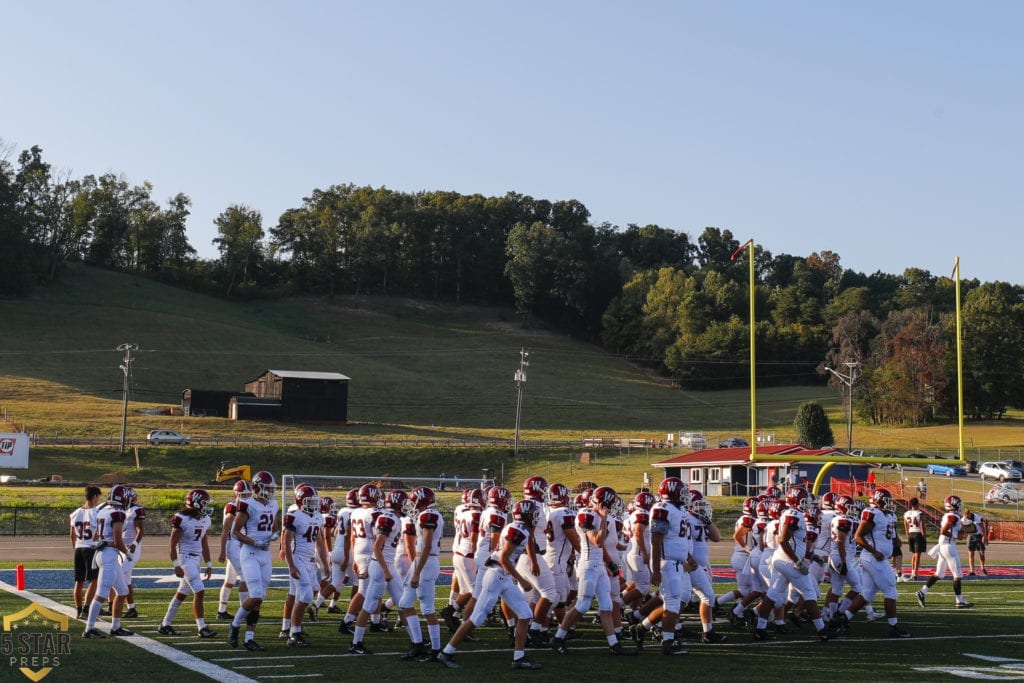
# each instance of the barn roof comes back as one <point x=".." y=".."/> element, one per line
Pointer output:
<point x="306" y="374"/>
<point x="741" y="456"/>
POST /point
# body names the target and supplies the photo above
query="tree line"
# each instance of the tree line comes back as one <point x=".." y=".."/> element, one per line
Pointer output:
<point x="649" y="293"/>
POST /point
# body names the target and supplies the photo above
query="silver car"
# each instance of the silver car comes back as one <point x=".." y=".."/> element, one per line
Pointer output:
<point x="1001" y="471"/>
<point x="158" y="437"/>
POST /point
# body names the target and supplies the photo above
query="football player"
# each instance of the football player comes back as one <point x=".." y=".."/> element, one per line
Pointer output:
<point x="189" y="545"/>
<point x="341" y="564"/>
<point x="381" y="570"/>
<point x="593" y="527"/>
<point x="82" y="523"/>
<point x="638" y="557"/>
<point x="563" y="541"/>
<point x="531" y="565"/>
<point x="843" y="565"/>
<point x="132" y="532"/>
<point x="492" y="520"/>
<point x="325" y="590"/>
<point x="467" y="531"/>
<point x="976" y="528"/>
<point x="790" y="565"/>
<point x="303" y="545"/>
<point x="422" y="578"/>
<point x="874" y="536"/>
<point x="502" y="579"/>
<point x="110" y="545"/>
<point x="950" y="529"/>
<point x="229" y="547"/>
<point x="913" y="523"/>
<point x="704" y="530"/>
<point x="255" y="526"/>
<point x="361" y="537"/>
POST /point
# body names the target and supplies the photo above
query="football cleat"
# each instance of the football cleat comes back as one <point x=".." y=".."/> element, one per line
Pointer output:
<point x="311" y="612"/>
<point x="334" y="609"/>
<point x="620" y="651"/>
<point x="346" y="629"/>
<point x="672" y="647"/>
<point x="253" y="646"/>
<point x="298" y="640"/>
<point x="638" y="633"/>
<point x="525" y="663"/>
<point x="430" y="657"/>
<point x="416" y="651"/>
<point x="450" y="620"/>
<point x="233" y="635"/>
<point x="93" y="633"/>
<point x="794" y="619"/>
<point x="167" y="631"/>
<point x="380" y="627"/>
<point x="122" y="631"/>
<point x="711" y="637"/>
<point x="104" y="612"/>
<point x="224" y="616"/>
<point x="131" y="614"/>
<point x="762" y="635"/>
<point x="964" y="604"/>
<point x="83" y="613"/>
<point x="920" y="598"/>
<point x="896" y="632"/>
<point x="558" y="645"/>
<point x="875" y="616"/>
<point x="358" y="649"/>
<point x="448" y="660"/>
<point x="285" y="634"/>
<point x="207" y="632"/>
<point x="780" y="628"/>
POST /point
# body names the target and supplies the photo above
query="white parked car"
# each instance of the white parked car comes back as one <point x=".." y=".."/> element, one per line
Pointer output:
<point x="999" y="470"/>
<point x="166" y="436"/>
<point x="1004" y="493"/>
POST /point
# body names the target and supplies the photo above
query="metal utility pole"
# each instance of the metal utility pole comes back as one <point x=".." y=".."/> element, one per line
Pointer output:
<point x="848" y="380"/>
<point x="520" y="378"/>
<point x="126" y="368"/>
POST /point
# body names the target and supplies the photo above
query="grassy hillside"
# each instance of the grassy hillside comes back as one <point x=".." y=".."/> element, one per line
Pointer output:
<point x="417" y="369"/>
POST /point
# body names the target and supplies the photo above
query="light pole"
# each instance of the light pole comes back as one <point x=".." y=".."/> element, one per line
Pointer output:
<point x="848" y="380"/>
<point x="520" y="379"/>
<point x="126" y="368"/>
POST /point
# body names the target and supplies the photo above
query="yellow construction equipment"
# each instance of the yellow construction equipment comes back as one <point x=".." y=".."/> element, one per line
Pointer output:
<point x="229" y="471"/>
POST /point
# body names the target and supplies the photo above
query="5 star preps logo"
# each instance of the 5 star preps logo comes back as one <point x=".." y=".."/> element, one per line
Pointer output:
<point x="34" y="640"/>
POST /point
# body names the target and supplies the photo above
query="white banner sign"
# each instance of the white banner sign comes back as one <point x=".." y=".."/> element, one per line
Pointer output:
<point x="14" y="451"/>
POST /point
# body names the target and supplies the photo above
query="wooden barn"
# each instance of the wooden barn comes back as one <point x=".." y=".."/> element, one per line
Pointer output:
<point x="296" y="395"/>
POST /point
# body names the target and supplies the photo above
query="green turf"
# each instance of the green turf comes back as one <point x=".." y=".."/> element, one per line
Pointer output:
<point x="944" y="637"/>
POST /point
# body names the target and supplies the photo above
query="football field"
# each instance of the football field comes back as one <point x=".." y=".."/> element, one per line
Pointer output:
<point x="982" y="643"/>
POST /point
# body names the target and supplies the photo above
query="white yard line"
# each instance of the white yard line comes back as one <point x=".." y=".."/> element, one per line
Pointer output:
<point x="217" y="673"/>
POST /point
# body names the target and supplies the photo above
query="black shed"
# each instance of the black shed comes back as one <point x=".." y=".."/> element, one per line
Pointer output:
<point x="304" y="395"/>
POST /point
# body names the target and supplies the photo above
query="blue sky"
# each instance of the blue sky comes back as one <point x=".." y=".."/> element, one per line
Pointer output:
<point x="890" y="133"/>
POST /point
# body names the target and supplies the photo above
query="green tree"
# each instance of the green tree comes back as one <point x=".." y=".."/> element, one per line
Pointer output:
<point x="993" y="325"/>
<point x="812" y="427"/>
<point x="532" y="252"/>
<point x="240" y="242"/>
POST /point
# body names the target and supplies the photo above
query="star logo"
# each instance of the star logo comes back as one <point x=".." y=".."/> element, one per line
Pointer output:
<point x="34" y="640"/>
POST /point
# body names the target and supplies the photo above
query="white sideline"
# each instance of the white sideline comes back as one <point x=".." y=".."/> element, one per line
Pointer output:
<point x="217" y="673"/>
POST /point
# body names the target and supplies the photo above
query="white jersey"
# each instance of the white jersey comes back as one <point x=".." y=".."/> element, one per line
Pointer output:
<point x="842" y="524"/>
<point x="539" y="537"/>
<point x="429" y="519"/>
<point x="193" y="530"/>
<point x="516" y="534"/>
<point x="745" y="522"/>
<point x="491" y="520"/>
<point x="106" y="516"/>
<point x="824" y="541"/>
<point x="361" y="526"/>
<point x="259" y="526"/>
<point x="559" y="548"/>
<point x="83" y="521"/>
<point x="306" y="529"/>
<point x="954" y="520"/>
<point x="914" y="519"/>
<point x="128" y="531"/>
<point x="467" y="525"/>
<point x="771" y="535"/>
<point x="883" y="532"/>
<point x="388" y="525"/>
<point x="639" y="518"/>
<point x="700" y="533"/>
<point x="673" y="523"/>
<point x="588" y="520"/>
<point x="614" y="538"/>
<point x="793" y="519"/>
